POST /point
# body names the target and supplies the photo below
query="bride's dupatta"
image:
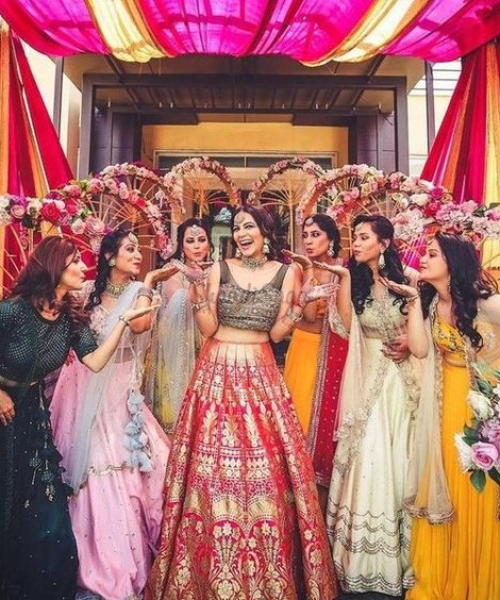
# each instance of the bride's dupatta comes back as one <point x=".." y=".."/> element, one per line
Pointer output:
<point x="427" y="494"/>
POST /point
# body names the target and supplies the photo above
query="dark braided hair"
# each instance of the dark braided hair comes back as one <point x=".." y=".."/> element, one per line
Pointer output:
<point x="110" y="246"/>
<point x="361" y="274"/>
<point x="328" y="225"/>
<point x="469" y="282"/>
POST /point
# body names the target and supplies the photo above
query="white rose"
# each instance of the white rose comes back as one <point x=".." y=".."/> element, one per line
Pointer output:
<point x="420" y="199"/>
<point x="464" y="453"/>
<point x="481" y="405"/>
<point x="4" y="201"/>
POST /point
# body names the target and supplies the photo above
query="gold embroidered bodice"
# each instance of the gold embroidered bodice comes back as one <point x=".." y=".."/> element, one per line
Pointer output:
<point x="449" y="343"/>
<point x="382" y="319"/>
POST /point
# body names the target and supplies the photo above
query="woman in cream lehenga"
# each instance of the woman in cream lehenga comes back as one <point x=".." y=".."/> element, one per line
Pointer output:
<point x="241" y="517"/>
<point x="455" y="549"/>
<point x="176" y="337"/>
<point x="369" y="533"/>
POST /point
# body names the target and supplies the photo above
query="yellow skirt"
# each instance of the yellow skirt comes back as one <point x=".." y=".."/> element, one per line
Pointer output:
<point x="458" y="560"/>
<point x="301" y="366"/>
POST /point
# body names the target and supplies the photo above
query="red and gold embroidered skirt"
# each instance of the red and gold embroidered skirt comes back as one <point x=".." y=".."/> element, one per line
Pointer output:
<point x="242" y="518"/>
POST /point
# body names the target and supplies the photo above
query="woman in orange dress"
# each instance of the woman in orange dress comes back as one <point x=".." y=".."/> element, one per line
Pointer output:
<point x="321" y="240"/>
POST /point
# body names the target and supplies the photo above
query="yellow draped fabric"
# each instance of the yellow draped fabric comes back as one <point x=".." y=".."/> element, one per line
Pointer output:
<point x="457" y="560"/>
<point x="124" y="30"/>
<point x="385" y="20"/>
<point x="300" y="372"/>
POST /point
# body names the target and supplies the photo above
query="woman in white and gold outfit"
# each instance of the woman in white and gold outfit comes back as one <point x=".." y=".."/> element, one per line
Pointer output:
<point x="370" y="535"/>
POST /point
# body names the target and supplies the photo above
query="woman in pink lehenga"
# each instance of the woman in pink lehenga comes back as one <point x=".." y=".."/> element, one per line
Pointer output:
<point x="114" y="452"/>
<point x="242" y="518"/>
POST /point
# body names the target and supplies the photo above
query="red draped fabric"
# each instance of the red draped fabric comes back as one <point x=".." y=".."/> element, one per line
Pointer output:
<point x="465" y="154"/>
<point x="31" y="155"/>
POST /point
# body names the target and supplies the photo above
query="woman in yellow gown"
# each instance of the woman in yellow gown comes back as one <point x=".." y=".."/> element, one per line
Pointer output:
<point x="455" y="549"/>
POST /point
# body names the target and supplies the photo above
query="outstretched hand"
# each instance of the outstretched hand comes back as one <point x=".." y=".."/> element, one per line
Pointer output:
<point x="338" y="270"/>
<point x="311" y="292"/>
<point x="407" y="291"/>
<point x="300" y="259"/>
<point x="194" y="274"/>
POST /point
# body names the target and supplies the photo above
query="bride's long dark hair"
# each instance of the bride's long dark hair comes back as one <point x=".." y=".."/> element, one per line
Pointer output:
<point x="469" y="283"/>
<point x="361" y="274"/>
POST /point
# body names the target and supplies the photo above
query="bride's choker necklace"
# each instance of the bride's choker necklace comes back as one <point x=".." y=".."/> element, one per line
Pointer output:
<point x="115" y="291"/>
<point x="253" y="263"/>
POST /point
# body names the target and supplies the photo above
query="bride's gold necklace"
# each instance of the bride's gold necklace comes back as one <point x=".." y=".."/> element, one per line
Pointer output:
<point x="253" y="263"/>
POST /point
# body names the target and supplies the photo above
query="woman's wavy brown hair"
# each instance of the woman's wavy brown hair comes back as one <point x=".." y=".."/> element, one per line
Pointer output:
<point x="38" y="280"/>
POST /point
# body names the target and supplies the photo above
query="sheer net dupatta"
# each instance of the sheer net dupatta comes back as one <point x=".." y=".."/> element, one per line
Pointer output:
<point x="173" y="354"/>
<point x="426" y="494"/>
<point x="131" y="349"/>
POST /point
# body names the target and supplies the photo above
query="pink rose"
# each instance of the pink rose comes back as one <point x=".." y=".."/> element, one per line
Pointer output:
<point x="95" y="226"/>
<point x="72" y="190"/>
<point x="18" y="211"/>
<point x="484" y="455"/>
<point x="78" y="227"/>
<point x="50" y="212"/>
<point x="123" y="191"/>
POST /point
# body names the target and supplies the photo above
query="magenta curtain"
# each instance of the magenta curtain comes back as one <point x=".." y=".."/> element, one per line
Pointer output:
<point x="302" y="29"/>
<point x="448" y="29"/>
<point x="59" y="27"/>
<point x="306" y="30"/>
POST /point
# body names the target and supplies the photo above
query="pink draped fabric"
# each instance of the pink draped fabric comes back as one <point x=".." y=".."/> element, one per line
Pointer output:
<point x="57" y="27"/>
<point x="305" y="30"/>
<point x="448" y="29"/>
<point x="302" y="29"/>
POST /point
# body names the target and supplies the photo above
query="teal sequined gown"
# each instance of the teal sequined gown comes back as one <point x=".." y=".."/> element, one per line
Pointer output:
<point x="38" y="555"/>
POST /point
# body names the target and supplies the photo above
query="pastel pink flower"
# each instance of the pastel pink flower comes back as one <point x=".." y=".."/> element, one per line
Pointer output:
<point x="485" y="455"/>
<point x="18" y="211"/>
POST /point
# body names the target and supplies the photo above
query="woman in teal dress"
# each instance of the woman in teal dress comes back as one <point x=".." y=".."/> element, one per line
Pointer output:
<point x="39" y="324"/>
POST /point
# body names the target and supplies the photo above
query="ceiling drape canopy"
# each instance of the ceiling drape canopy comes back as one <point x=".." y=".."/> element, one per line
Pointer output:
<point x="310" y="31"/>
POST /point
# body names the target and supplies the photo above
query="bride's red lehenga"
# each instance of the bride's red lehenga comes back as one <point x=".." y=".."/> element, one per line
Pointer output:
<point x="241" y="517"/>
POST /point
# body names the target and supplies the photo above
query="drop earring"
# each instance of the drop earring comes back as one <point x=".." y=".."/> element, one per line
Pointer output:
<point x="381" y="261"/>
<point x="331" y="251"/>
<point x="237" y="253"/>
<point x="112" y="262"/>
<point x="266" y="248"/>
